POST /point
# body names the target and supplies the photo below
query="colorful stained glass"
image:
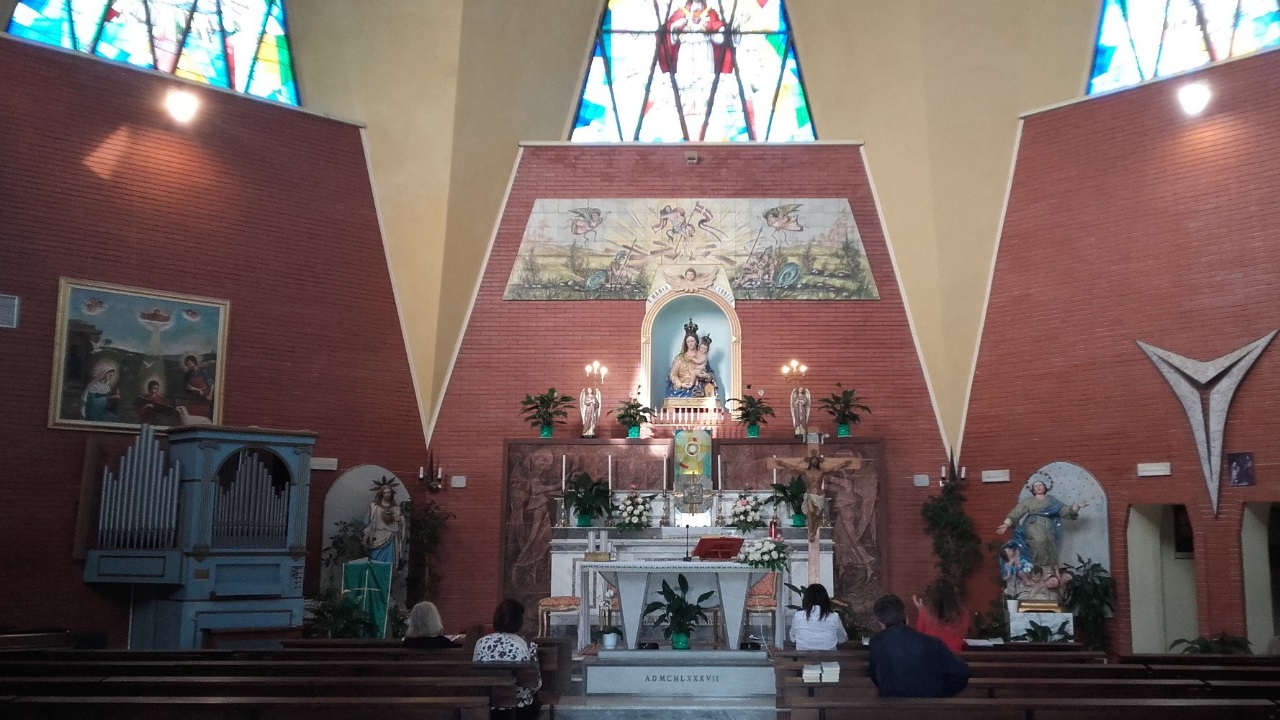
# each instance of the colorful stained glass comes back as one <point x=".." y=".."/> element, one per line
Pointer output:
<point x="238" y="44"/>
<point x="1143" y="39"/>
<point x="694" y="70"/>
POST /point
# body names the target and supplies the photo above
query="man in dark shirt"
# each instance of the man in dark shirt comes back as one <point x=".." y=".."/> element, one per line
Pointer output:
<point x="906" y="663"/>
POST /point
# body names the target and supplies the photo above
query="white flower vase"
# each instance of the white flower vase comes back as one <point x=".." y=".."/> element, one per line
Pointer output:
<point x="609" y="641"/>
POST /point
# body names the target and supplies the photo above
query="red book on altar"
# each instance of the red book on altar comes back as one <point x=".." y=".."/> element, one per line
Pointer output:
<point x="716" y="547"/>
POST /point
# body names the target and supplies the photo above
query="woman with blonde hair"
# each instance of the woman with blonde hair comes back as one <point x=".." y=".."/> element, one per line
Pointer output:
<point x="426" y="630"/>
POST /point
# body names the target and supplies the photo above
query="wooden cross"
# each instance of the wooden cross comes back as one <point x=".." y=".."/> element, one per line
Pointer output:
<point x="813" y="468"/>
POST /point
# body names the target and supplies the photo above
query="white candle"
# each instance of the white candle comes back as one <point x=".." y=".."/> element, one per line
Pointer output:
<point x="421" y="473"/>
<point x="664" y="472"/>
<point x="720" y="470"/>
<point x="610" y="473"/>
<point x="564" y="484"/>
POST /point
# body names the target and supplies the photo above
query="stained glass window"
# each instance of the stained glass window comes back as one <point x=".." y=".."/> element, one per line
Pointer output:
<point x="694" y="70"/>
<point x="1143" y="39"/>
<point x="237" y="44"/>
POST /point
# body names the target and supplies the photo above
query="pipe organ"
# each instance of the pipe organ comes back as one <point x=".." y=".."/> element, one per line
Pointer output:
<point x="212" y="536"/>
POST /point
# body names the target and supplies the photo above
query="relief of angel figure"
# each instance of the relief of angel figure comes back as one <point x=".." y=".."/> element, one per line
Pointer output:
<point x="689" y="280"/>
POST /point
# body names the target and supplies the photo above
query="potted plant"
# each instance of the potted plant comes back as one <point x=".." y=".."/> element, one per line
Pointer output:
<point x="1220" y="644"/>
<point x="545" y="410"/>
<point x="609" y="637"/>
<point x="632" y="414"/>
<point x="588" y="499"/>
<point x="791" y="495"/>
<point x="752" y="411"/>
<point x="844" y="407"/>
<point x="1089" y="596"/>
<point x="679" y="614"/>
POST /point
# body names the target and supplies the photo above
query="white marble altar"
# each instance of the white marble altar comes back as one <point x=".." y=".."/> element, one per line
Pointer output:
<point x="668" y="543"/>
<point x="638" y="580"/>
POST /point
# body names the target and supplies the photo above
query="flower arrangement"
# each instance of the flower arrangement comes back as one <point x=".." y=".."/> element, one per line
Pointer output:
<point x="765" y="553"/>
<point x="634" y="511"/>
<point x="745" y="513"/>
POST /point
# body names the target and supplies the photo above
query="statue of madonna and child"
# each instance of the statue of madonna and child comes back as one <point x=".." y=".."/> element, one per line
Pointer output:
<point x="691" y="375"/>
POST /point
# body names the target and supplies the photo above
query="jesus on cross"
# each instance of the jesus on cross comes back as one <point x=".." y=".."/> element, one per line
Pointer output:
<point x="813" y="468"/>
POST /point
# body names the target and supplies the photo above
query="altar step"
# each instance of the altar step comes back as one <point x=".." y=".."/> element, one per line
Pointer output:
<point x="636" y="707"/>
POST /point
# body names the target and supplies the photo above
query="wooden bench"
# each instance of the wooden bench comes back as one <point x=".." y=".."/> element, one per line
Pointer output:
<point x="1001" y="669"/>
<point x="1083" y="656"/>
<point x="24" y="641"/>
<point x="33" y="707"/>
<point x="996" y="687"/>
<point x="214" y="638"/>
<point x="1032" y="708"/>
<point x="1201" y="659"/>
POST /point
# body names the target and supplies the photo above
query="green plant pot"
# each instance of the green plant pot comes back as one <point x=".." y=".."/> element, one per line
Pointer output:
<point x="545" y="431"/>
<point x="679" y="641"/>
<point x="753" y="431"/>
<point x="842" y="430"/>
<point x="633" y="431"/>
<point x="584" y="520"/>
<point x="797" y="520"/>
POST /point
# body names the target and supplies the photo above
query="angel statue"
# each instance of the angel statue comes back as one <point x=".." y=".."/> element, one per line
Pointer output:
<point x="800" y="409"/>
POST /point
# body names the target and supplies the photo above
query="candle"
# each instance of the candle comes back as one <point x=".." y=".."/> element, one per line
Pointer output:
<point x="664" y="472"/>
<point x="942" y="473"/>
<point x="564" y="485"/>
<point x="421" y="473"/>
<point x="720" y="472"/>
<point x="611" y="473"/>
<point x="439" y="473"/>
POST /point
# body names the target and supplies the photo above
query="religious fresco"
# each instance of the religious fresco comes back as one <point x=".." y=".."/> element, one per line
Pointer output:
<point x="631" y="248"/>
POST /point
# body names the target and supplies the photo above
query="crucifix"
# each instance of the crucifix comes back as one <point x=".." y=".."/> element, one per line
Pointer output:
<point x="814" y="468"/>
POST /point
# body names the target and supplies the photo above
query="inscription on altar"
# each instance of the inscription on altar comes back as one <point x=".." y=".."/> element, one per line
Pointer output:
<point x="682" y="678"/>
<point x="712" y="679"/>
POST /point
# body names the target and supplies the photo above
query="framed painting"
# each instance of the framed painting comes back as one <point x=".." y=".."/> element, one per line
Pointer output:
<point x="126" y="356"/>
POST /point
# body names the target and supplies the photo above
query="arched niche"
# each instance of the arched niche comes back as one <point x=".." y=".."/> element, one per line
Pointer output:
<point x="348" y="500"/>
<point x="663" y="331"/>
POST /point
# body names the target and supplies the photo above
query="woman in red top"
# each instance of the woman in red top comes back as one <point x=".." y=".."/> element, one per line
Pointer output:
<point x="941" y="615"/>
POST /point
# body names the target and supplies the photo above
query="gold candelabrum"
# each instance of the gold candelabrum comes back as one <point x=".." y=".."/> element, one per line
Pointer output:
<point x="794" y="374"/>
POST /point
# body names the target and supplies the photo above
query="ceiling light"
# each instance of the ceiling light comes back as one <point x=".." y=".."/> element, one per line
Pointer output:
<point x="1194" y="97"/>
<point x="181" y="104"/>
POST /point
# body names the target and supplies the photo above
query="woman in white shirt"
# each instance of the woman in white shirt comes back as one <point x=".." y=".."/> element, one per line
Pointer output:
<point x="815" y="626"/>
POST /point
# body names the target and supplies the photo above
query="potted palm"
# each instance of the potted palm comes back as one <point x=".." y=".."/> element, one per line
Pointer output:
<point x="791" y="495"/>
<point x="752" y="410"/>
<point x="588" y="499"/>
<point x="631" y="414"/>
<point x="844" y="407"/>
<point x="679" y="614"/>
<point x="543" y="411"/>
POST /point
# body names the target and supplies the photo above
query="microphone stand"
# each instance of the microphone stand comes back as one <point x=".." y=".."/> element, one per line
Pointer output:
<point x="687" y="556"/>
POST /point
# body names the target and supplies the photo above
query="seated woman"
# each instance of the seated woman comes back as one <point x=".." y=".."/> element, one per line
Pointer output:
<point x="815" y="626"/>
<point x="505" y="645"/>
<point x="941" y="615"/>
<point x="426" y="629"/>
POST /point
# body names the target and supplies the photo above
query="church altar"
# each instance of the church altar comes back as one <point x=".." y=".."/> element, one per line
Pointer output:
<point x="667" y="545"/>
<point x="636" y="580"/>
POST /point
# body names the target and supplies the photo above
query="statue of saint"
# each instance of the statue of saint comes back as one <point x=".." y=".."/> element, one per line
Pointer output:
<point x="1039" y="525"/>
<point x="691" y="375"/>
<point x="383" y="537"/>
<point x="800" y="410"/>
<point x="589" y="406"/>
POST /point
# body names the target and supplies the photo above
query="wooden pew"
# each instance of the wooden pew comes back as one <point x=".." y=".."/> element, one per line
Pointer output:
<point x="1201" y="659"/>
<point x="523" y="672"/>
<point x="999" y="687"/>
<point x="24" y="641"/>
<point x="29" y="707"/>
<point x="1083" y="656"/>
<point x="1032" y="708"/>
<point x="499" y="690"/>
<point x="1002" y="669"/>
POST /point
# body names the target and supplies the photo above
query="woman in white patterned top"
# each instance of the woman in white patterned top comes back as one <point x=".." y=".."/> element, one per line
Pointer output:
<point x="816" y="626"/>
<point x="504" y="644"/>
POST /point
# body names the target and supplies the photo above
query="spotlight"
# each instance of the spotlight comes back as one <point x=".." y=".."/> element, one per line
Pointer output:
<point x="1194" y="97"/>
<point x="181" y="104"/>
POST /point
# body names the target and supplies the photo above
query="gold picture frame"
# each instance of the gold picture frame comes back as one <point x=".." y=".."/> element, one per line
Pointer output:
<point x="124" y="356"/>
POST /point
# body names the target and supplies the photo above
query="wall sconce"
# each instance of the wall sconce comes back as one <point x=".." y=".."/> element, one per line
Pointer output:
<point x="794" y="373"/>
<point x="432" y="475"/>
<point x="590" y="399"/>
<point x="691" y="157"/>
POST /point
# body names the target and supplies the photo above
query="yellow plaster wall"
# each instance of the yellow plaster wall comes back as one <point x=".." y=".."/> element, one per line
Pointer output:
<point x="934" y="88"/>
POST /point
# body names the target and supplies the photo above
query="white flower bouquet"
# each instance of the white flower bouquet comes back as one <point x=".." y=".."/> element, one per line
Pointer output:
<point x="746" y="512"/>
<point x="765" y="553"/>
<point x="633" y="512"/>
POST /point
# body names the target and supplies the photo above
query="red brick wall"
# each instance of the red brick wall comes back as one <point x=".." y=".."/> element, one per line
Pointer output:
<point x="1130" y="221"/>
<point x="267" y="207"/>
<point x="512" y="348"/>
